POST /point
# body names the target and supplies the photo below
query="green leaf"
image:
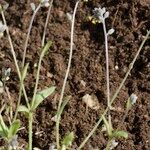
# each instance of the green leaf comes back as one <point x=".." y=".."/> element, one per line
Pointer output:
<point x="23" y="108"/>
<point x="68" y="139"/>
<point x="24" y="71"/>
<point x="13" y="128"/>
<point x="119" y="134"/>
<point x="40" y="96"/>
<point x="66" y="99"/>
<point x="45" y="49"/>
<point x="128" y="104"/>
<point x="108" y="127"/>
<point x="3" y="128"/>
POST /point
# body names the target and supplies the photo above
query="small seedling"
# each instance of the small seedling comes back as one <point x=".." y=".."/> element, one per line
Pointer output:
<point x="45" y="3"/>
<point x="9" y="133"/>
<point x="38" y="97"/>
<point x="113" y="134"/>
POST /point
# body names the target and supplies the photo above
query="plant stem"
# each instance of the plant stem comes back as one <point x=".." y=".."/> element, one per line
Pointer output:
<point x="27" y="38"/>
<point x="37" y="81"/>
<point x="107" y="63"/>
<point x="46" y="23"/>
<point x="108" y="144"/>
<point x="44" y="50"/>
<point x="67" y="73"/>
<point x="30" y="120"/>
<point x="14" y="57"/>
<point x="11" y="45"/>
<point x="116" y="93"/>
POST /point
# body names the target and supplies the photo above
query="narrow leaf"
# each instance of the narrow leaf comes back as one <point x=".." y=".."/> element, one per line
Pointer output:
<point x="24" y="71"/>
<point x="13" y="128"/>
<point x="108" y="127"/>
<point x="23" y="108"/>
<point x="40" y="96"/>
<point x="63" y="105"/>
<point x="68" y="139"/>
<point x="119" y="134"/>
<point x="45" y="49"/>
<point x="3" y="128"/>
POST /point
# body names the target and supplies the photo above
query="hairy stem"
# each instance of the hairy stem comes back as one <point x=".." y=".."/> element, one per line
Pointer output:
<point x="28" y="34"/>
<point x="46" y="23"/>
<point x="107" y="63"/>
<point x="14" y="57"/>
<point x="30" y="121"/>
<point x="66" y="75"/>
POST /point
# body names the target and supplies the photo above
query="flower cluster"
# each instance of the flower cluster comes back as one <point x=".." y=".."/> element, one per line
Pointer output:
<point x="100" y="14"/>
<point x="133" y="98"/>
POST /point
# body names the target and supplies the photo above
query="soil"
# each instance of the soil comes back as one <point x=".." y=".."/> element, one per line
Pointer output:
<point x="130" y="19"/>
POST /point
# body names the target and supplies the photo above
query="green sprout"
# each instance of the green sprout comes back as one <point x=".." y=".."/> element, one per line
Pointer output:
<point x="9" y="133"/>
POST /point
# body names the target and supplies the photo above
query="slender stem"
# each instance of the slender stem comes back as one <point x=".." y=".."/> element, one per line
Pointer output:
<point x="37" y="80"/>
<point x="107" y="63"/>
<point x="46" y="23"/>
<point x="108" y="144"/>
<point x="14" y="56"/>
<point x="18" y="103"/>
<point x="30" y="120"/>
<point x="107" y="71"/>
<point x="116" y="93"/>
<point x="67" y="73"/>
<point x="28" y="34"/>
<point x="11" y="45"/>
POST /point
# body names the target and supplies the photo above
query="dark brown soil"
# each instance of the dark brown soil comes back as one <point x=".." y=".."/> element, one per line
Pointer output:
<point x="130" y="19"/>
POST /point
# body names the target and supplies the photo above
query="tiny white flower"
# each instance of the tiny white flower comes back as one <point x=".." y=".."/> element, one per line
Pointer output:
<point x="1" y="87"/>
<point x="111" y="31"/>
<point x="45" y="3"/>
<point x="100" y="13"/>
<point x="5" y="6"/>
<point x="13" y="144"/>
<point x="2" y="28"/>
<point x="52" y="147"/>
<point x="7" y="74"/>
<point x="54" y="118"/>
<point x="32" y="6"/>
<point x="133" y="98"/>
<point x="106" y="15"/>
<point x="36" y="148"/>
<point x="103" y="10"/>
<point x="113" y="144"/>
<point x="69" y="16"/>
